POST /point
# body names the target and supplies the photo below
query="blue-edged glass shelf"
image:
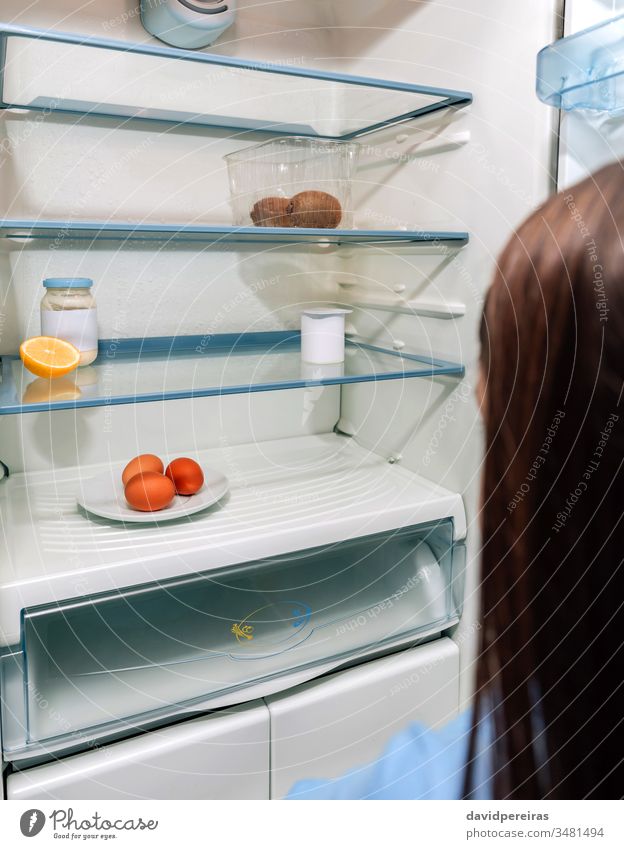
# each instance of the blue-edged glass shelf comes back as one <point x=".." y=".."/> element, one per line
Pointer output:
<point x="168" y="368"/>
<point x="59" y="231"/>
<point x="585" y="70"/>
<point x="48" y="70"/>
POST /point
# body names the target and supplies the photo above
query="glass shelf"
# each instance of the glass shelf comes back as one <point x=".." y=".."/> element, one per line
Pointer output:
<point x="131" y="371"/>
<point x="63" y="72"/>
<point x="585" y="70"/>
<point x="59" y="231"/>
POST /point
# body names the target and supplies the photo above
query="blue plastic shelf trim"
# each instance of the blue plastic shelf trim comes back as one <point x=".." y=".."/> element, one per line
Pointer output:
<point x="125" y="231"/>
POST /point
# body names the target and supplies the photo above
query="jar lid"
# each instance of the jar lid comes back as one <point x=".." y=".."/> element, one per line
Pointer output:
<point x="68" y="283"/>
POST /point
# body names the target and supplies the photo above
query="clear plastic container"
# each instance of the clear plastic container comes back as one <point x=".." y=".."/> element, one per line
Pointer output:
<point x="293" y="182"/>
<point x="585" y="70"/>
<point x="68" y="311"/>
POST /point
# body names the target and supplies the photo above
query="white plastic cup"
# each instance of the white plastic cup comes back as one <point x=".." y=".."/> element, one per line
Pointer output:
<point x="323" y="335"/>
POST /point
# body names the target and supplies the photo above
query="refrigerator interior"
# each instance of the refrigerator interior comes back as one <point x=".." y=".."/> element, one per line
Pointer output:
<point x="403" y="447"/>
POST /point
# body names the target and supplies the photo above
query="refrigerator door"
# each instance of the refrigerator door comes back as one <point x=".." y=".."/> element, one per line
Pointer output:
<point x="222" y="756"/>
<point x="324" y="729"/>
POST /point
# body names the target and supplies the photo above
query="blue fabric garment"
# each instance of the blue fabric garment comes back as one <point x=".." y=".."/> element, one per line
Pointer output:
<point x="418" y="763"/>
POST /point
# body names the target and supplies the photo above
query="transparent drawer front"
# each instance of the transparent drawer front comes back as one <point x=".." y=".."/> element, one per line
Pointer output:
<point x="108" y="658"/>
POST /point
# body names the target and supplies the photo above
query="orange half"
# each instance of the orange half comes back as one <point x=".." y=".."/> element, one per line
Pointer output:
<point x="47" y="356"/>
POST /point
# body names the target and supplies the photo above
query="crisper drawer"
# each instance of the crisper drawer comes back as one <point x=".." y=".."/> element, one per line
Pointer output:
<point x="142" y="653"/>
<point x="221" y="756"/>
<point x="325" y="728"/>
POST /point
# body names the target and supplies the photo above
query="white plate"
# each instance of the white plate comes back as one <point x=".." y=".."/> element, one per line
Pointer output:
<point x="104" y="496"/>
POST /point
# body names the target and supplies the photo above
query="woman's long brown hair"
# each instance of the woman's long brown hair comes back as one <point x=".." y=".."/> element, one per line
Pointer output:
<point x="551" y="664"/>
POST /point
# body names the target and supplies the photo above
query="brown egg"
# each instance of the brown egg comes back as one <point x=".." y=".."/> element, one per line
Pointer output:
<point x="271" y="212"/>
<point x="149" y="491"/>
<point x="186" y="475"/>
<point x="142" y="463"/>
<point x="315" y="209"/>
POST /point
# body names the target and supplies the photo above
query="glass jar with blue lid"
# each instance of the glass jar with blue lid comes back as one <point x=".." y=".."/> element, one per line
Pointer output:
<point x="68" y="311"/>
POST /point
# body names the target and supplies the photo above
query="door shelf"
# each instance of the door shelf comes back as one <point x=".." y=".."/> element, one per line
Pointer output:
<point x="59" y="231"/>
<point x="130" y="371"/>
<point x="585" y="70"/>
<point x="64" y="72"/>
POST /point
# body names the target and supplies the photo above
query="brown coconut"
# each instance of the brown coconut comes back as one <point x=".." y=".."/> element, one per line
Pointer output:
<point x="315" y="209"/>
<point x="271" y="212"/>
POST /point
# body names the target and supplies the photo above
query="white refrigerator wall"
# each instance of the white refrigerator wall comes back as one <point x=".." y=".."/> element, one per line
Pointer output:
<point x="481" y="169"/>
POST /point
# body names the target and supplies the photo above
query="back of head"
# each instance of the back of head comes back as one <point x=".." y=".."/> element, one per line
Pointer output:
<point x="553" y="498"/>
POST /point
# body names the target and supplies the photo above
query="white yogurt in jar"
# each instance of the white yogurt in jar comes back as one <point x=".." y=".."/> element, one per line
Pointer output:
<point x="69" y="312"/>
